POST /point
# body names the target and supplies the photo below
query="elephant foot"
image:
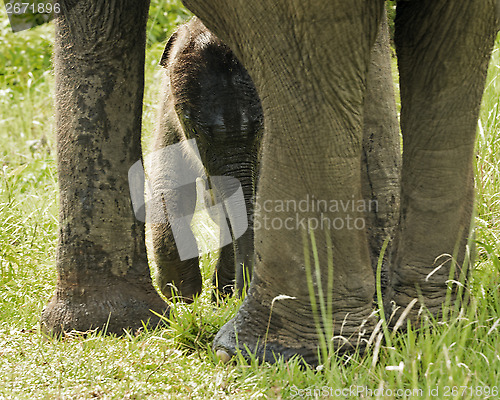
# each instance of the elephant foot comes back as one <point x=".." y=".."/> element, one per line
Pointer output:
<point x="285" y="327"/>
<point x="415" y="295"/>
<point x="412" y="307"/>
<point x="109" y="306"/>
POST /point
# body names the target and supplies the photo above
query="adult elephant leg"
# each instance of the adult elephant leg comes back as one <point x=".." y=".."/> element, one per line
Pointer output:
<point x="381" y="163"/>
<point x="103" y="274"/>
<point x="443" y="52"/>
<point x="309" y="63"/>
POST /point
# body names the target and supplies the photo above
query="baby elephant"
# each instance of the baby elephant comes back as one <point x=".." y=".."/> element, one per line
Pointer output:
<point x="211" y="125"/>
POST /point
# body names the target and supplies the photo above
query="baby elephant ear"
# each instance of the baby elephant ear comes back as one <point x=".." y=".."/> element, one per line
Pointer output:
<point x="168" y="48"/>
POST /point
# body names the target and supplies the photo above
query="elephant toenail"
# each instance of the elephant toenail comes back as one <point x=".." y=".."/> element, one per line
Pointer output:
<point x="223" y="356"/>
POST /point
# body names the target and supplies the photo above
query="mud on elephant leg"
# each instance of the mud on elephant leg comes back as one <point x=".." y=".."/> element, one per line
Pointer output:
<point x="442" y="64"/>
<point x="103" y="275"/>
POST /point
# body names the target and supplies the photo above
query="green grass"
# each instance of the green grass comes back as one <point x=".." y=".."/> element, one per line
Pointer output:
<point x="177" y="362"/>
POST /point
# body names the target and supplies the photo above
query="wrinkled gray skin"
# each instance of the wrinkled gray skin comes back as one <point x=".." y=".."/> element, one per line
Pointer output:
<point x="103" y="275"/>
<point x="310" y="63"/>
<point x="207" y="96"/>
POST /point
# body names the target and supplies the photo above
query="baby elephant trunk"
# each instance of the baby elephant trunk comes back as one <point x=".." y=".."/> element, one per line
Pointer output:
<point x="231" y="210"/>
